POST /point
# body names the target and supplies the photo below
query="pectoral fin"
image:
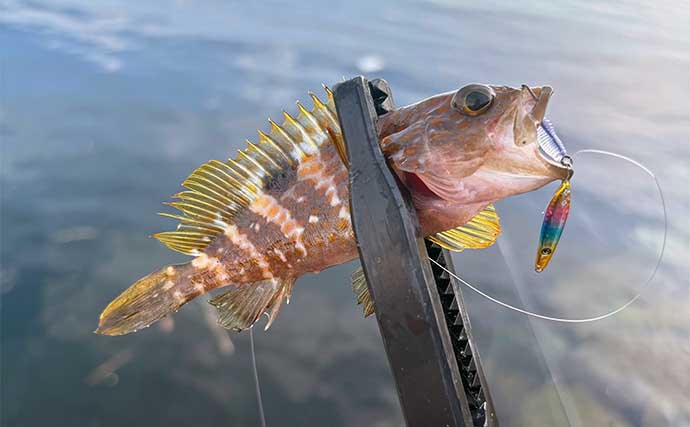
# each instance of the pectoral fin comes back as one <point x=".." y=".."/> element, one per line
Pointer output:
<point x="359" y="286"/>
<point x="479" y="232"/>
<point x="240" y="307"/>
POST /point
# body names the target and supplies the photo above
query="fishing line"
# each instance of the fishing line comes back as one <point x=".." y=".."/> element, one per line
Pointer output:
<point x="259" y="399"/>
<point x="617" y="310"/>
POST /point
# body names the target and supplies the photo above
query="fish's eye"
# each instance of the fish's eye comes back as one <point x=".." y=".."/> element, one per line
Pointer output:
<point x="473" y="99"/>
<point x="546" y="251"/>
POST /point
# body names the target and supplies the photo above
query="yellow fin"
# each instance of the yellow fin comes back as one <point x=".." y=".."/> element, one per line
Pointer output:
<point x="479" y="232"/>
<point x="331" y="117"/>
<point x="240" y="307"/>
<point x="361" y="290"/>
<point x="217" y="191"/>
<point x="148" y="300"/>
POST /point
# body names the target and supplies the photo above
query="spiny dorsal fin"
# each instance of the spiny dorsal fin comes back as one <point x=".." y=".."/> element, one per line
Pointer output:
<point x="338" y="140"/>
<point x="479" y="232"/>
<point x="218" y="191"/>
<point x="359" y="286"/>
<point x="240" y="307"/>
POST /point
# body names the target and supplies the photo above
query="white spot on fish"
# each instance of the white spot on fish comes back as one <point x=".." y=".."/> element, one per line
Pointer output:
<point x="170" y="271"/>
<point x="344" y="213"/>
<point x="201" y="261"/>
<point x="300" y="247"/>
<point x="280" y="254"/>
<point x="222" y="275"/>
<point x="332" y="194"/>
<point x="168" y="285"/>
<point x="313" y="219"/>
<point x="179" y="296"/>
<point x="300" y="199"/>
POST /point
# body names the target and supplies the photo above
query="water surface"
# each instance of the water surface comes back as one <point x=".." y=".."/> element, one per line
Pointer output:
<point x="105" y="108"/>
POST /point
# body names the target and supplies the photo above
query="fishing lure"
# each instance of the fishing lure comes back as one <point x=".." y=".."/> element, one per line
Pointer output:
<point x="555" y="218"/>
<point x="556" y="214"/>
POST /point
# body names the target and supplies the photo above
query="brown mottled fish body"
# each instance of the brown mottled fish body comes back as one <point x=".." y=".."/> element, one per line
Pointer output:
<point x="281" y="208"/>
<point x="277" y="212"/>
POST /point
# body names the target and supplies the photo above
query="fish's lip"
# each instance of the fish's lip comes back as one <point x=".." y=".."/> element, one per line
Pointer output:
<point x="539" y="110"/>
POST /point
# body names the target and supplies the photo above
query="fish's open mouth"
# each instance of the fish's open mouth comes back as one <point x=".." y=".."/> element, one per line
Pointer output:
<point x="551" y="147"/>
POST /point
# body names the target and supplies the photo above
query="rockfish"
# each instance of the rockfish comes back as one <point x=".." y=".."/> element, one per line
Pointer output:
<point x="280" y="209"/>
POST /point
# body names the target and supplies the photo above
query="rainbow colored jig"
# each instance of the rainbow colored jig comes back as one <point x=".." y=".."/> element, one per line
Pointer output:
<point x="555" y="218"/>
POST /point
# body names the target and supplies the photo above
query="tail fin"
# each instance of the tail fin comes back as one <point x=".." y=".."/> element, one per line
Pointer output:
<point x="148" y="300"/>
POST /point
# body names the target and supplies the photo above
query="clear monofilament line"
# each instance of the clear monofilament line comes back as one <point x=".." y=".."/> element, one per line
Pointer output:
<point x="259" y="398"/>
<point x="610" y="313"/>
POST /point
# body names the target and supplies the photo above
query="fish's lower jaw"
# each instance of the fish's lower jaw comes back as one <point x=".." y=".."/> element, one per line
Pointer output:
<point x="505" y="184"/>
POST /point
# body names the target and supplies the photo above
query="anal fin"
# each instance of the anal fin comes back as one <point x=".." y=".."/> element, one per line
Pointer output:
<point x="361" y="290"/>
<point x="242" y="306"/>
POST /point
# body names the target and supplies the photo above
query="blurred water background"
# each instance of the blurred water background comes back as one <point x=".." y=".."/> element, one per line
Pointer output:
<point x="106" y="106"/>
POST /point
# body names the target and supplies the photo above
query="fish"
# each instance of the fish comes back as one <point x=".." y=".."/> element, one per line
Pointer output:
<point x="256" y="223"/>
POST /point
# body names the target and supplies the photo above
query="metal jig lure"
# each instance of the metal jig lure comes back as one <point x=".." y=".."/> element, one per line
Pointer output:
<point x="556" y="213"/>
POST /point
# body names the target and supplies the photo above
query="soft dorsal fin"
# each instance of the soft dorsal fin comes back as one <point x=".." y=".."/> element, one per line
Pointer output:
<point x="217" y="191"/>
<point x="479" y="232"/>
